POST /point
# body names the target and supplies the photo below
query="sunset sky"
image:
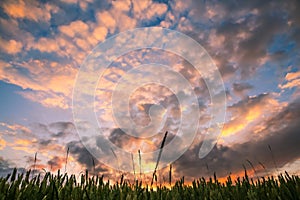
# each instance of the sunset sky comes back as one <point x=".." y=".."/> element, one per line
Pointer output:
<point x="254" y="44"/>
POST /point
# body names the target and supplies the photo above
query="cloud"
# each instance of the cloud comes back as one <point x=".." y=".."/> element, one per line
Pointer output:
<point x="292" y="80"/>
<point x="56" y="132"/>
<point x="56" y="163"/>
<point x="62" y="128"/>
<point x="6" y="167"/>
<point x="49" y="100"/>
<point x="100" y="33"/>
<point x="292" y="76"/>
<point x="132" y="144"/>
<point x="2" y="143"/>
<point x="14" y="129"/>
<point x="237" y="35"/>
<point x="32" y="10"/>
<point x="14" y="38"/>
<point x="84" y="157"/>
<point x="10" y="46"/>
<point x="248" y="112"/>
<point x="45" y="45"/>
<point x="291" y="84"/>
<point x="240" y="88"/>
<point x="50" y="142"/>
<point x="25" y="145"/>
<point x="46" y="139"/>
<point x="148" y="10"/>
<point x="4" y="163"/>
<point x="74" y="28"/>
<point x="50" y="83"/>
<point x="116" y="18"/>
<point x="281" y="133"/>
<point x="107" y="20"/>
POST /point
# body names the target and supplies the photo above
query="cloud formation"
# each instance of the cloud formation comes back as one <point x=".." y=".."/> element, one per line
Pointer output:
<point x="280" y="133"/>
<point x="253" y="43"/>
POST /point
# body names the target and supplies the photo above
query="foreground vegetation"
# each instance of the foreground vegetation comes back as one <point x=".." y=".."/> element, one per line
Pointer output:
<point x="63" y="186"/>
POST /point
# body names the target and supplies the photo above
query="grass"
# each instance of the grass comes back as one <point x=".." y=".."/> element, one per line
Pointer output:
<point x="63" y="186"/>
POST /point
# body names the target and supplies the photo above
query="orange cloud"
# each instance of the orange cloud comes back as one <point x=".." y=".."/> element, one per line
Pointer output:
<point x="100" y="33"/>
<point x="231" y="128"/>
<point x="45" y="45"/>
<point x="293" y="80"/>
<point x="31" y="10"/>
<point x="249" y="111"/>
<point x="12" y="129"/>
<point x="56" y="162"/>
<point x="10" y="46"/>
<point x="107" y="20"/>
<point x="51" y="82"/>
<point x="148" y="9"/>
<point x="292" y="75"/>
<point x="74" y="28"/>
<point x="122" y="5"/>
<point x="2" y="143"/>
<point x="23" y="145"/>
<point x="290" y="84"/>
<point x="47" y="99"/>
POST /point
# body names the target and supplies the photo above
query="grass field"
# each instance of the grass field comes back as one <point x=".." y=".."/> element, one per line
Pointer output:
<point x="62" y="186"/>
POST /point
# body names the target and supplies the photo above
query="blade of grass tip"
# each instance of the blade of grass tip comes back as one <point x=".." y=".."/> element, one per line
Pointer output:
<point x="116" y="159"/>
<point x="252" y="168"/>
<point x="34" y="163"/>
<point x="93" y="165"/>
<point x="207" y="168"/>
<point x="67" y="160"/>
<point x="170" y="175"/>
<point x="273" y="158"/>
<point x="159" y="155"/>
<point x="133" y="166"/>
<point x="245" y="170"/>
<point x="263" y="166"/>
<point x="140" y="163"/>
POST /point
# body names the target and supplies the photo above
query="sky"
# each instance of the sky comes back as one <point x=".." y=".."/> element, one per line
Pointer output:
<point x="255" y="46"/>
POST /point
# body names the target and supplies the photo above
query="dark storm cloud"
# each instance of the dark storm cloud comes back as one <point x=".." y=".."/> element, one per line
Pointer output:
<point x="4" y="163"/>
<point x="256" y="46"/>
<point x="84" y="157"/>
<point x="245" y="105"/>
<point x="56" y="163"/>
<point x="62" y="129"/>
<point x="241" y="88"/>
<point x="45" y="142"/>
<point x="248" y="29"/>
<point x="69" y="12"/>
<point x="57" y="129"/>
<point x="293" y="7"/>
<point x="281" y="133"/>
<point x="119" y="137"/>
<point x="41" y="128"/>
<point x="6" y="167"/>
